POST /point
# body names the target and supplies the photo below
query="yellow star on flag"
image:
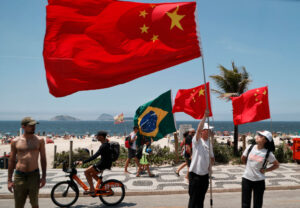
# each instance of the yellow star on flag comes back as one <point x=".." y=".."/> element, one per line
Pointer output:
<point x="154" y="38"/>
<point x="175" y="18"/>
<point x="192" y="95"/>
<point x="144" y="29"/>
<point x="265" y="92"/>
<point x="201" y="92"/>
<point x="143" y="13"/>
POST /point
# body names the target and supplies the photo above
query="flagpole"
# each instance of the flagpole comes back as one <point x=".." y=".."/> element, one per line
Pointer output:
<point x="207" y="108"/>
<point x="211" y="137"/>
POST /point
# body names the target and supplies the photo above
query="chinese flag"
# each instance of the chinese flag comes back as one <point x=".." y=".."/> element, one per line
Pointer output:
<point x="193" y="101"/>
<point x="94" y="44"/>
<point x="251" y="106"/>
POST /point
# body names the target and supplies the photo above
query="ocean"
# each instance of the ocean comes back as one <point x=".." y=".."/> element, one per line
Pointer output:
<point x="91" y="127"/>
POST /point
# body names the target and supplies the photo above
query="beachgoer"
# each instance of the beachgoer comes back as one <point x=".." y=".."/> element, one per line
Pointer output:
<point x="202" y="158"/>
<point x="104" y="163"/>
<point x="144" y="161"/>
<point x="254" y="175"/>
<point x="132" y="150"/>
<point x="27" y="148"/>
<point x="187" y="151"/>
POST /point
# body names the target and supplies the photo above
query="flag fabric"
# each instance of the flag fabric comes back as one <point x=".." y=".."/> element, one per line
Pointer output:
<point x="251" y="106"/>
<point x="155" y="118"/>
<point x="193" y="101"/>
<point x="95" y="44"/>
<point x="119" y="118"/>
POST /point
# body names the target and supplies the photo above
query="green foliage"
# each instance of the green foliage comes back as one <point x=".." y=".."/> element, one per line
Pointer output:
<point x="231" y="82"/>
<point x="283" y="154"/>
<point x="78" y="154"/>
<point x="222" y="153"/>
<point x="162" y="156"/>
<point x="159" y="156"/>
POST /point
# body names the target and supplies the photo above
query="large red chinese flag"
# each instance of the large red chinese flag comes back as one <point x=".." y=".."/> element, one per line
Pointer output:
<point x="94" y="44"/>
<point x="192" y="101"/>
<point x="251" y="106"/>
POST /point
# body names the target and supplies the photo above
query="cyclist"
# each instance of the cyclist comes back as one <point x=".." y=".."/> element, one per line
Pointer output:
<point x="104" y="163"/>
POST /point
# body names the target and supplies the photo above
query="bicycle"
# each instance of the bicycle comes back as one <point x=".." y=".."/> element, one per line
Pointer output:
<point x="65" y="193"/>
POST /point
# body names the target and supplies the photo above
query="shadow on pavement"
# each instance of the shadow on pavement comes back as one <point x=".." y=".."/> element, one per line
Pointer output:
<point x="95" y="205"/>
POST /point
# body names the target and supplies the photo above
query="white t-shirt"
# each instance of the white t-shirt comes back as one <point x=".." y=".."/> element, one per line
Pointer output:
<point x="133" y="146"/>
<point x="200" y="157"/>
<point x="255" y="162"/>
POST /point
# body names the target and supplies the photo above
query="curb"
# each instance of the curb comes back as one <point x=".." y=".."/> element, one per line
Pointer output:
<point x="147" y="193"/>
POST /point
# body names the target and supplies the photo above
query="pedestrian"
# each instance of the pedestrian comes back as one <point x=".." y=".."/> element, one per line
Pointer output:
<point x="187" y="151"/>
<point x="133" y="149"/>
<point x="144" y="160"/>
<point x="202" y="158"/>
<point x="256" y="158"/>
<point x="105" y="162"/>
<point x="27" y="181"/>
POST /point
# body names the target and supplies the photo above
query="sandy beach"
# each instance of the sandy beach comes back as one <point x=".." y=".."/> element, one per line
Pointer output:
<point x="64" y="144"/>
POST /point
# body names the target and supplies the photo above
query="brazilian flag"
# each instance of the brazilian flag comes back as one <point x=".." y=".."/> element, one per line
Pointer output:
<point x="155" y="118"/>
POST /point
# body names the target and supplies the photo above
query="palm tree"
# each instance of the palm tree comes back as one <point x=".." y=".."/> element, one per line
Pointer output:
<point x="231" y="83"/>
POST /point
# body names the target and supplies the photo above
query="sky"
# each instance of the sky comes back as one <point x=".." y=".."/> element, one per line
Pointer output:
<point x="261" y="35"/>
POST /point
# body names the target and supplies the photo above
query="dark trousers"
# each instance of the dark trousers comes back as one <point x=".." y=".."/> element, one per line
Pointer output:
<point x="198" y="186"/>
<point x="258" y="188"/>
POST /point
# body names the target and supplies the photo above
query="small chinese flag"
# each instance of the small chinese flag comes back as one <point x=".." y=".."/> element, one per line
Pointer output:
<point x="95" y="44"/>
<point x="192" y="101"/>
<point x="251" y="106"/>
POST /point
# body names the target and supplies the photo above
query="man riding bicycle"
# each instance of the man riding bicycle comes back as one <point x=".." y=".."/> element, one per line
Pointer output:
<point x="104" y="163"/>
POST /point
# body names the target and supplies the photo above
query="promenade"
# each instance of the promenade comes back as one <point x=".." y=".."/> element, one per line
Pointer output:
<point x="226" y="178"/>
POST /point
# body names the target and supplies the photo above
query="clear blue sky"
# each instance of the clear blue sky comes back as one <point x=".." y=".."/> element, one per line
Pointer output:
<point x="262" y="35"/>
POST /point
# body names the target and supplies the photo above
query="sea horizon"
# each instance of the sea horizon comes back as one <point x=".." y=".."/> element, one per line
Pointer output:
<point x="91" y="127"/>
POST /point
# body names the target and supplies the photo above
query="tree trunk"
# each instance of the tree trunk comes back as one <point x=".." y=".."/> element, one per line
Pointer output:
<point x="235" y="140"/>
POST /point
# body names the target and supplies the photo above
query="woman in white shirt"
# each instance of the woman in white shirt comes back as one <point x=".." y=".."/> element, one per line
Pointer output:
<point x="254" y="175"/>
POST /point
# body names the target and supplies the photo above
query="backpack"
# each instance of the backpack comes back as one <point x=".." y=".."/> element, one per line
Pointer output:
<point x="115" y="150"/>
<point x="266" y="158"/>
<point x="128" y="143"/>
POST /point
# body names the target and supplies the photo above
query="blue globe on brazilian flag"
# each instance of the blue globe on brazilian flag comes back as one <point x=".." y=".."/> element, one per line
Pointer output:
<point x="155" y="118"/>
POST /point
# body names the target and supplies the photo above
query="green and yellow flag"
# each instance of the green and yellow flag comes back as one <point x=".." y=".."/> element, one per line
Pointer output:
<point x="155" y="118"/>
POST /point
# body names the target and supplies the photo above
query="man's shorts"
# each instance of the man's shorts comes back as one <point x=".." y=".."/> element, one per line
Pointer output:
<point x="131" y="153"/>
<point x="100" y="166"/>
<point x="26" y="184"/>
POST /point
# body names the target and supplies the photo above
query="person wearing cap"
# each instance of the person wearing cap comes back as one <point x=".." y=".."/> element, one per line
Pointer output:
<point x="27" y="148"/>
<point x="132" y="151"/>
<point x="202" y="158"/>
<point x="253" y="179"/>
<point x="104" y="163"/>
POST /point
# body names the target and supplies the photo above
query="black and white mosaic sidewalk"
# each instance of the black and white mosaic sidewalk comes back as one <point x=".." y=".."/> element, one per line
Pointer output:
<point x="225" y="178"/>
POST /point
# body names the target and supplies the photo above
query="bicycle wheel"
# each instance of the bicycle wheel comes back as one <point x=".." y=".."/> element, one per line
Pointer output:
<point x="64" y="193"/>
<point x="114" y="192"/>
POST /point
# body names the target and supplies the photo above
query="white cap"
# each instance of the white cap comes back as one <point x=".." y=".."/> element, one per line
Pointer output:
<point x="266" y="134"/>
<point x="207" y="127"/>
<point x="191" y="129"/>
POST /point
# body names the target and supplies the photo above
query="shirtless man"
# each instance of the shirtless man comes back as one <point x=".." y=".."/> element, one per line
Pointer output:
<point x="26" y="150"/>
